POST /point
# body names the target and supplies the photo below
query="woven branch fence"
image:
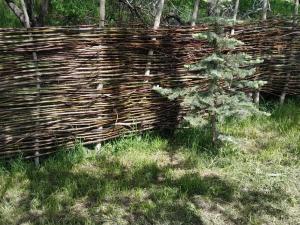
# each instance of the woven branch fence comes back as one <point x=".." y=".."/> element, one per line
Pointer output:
<point x="89" y="83"/>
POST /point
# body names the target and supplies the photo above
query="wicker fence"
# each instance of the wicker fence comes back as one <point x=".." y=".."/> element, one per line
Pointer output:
<point x="89" y="84"/>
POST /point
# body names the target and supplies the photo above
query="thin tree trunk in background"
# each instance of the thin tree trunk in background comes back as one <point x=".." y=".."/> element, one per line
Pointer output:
<point x="17" y="11"/>
<point x="285" y="89"/>
<point x="43" y="13"/>
<point x="26" y="17"/>
<point x="264" y="18"/>
<point x="158" y="15"/>
<point x="30" y="12"/>
<point x="102" y="13"/>
<point x="38" y="86"/>
<point x="236" y="10"/>
<point x="286" y="86"/>
<point x="157" y="19"/>
<point x="265" y="10"/>
<point x="195" y="13"/>
<point x="214" y="130"/>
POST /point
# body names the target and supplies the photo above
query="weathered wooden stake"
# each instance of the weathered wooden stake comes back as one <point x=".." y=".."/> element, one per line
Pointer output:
<point x="38" y="87"/>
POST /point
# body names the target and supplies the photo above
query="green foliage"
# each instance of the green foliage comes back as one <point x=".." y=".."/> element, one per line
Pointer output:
<point x="252" y="8"/>
<point x="228" y="75"/>
<point x="74" y="12"/>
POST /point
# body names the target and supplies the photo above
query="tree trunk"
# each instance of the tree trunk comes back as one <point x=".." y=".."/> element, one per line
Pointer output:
<point x="38" y="87"/>
<point x="285" y="89"/>
<point x="158" y="15"/>
<point x="195" y="13"/>
<point x="264" y="17"/>
<point x="157" y="19"/>
<point x="296" y="12"/>
<point x="17" y="11"/>
<point x="43" y="13"/>
<point x="257" y="97"/>
<point x="214" y="131"/>
<point x="265" y="10"/>
<point x="30" y="12"/>
<point x="102" y="13"/>
<point x="213" y="8"/>
<point x="235" y="13"/>
<point x="32" y="18"/>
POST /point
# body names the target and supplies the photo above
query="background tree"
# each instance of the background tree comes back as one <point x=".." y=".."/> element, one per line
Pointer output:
<point x="235" y="13"/>
<point x="102" y="13"/>
<point x="159" y="11"/>
<point x="125" y="12"/>
<point x="36" y="10"/>
<point x="227" y="74"/>
<point x="195" y="13"/>
<point x="265" y="9"/>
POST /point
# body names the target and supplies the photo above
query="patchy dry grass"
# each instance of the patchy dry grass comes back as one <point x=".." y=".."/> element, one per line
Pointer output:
<point x="151" y="180"/>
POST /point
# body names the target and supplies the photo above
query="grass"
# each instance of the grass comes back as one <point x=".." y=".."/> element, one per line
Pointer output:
<point x="147" y="179"/>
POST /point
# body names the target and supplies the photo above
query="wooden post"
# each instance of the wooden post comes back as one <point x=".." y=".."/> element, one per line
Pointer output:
<point x="38" y="87"/>
<point x="100" y="85"/>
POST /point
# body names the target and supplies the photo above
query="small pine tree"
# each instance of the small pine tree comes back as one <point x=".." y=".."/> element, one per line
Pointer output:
<point x="228" y="75"/>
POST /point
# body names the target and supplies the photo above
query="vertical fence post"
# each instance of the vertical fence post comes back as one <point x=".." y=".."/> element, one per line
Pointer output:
<point x="100" y="85"/>
<point x="38" y="88"/>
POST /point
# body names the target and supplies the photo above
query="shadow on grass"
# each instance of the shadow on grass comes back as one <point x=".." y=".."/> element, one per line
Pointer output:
<point x="57" y="187"/>
<point x="105" y="191"/>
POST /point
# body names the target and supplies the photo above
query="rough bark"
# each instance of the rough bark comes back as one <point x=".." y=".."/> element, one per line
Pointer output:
<point x="102" y="13"/>
<point x="195" y="13"/>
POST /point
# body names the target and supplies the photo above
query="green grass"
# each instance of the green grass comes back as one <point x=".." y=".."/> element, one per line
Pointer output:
<point x="148" y="179"/>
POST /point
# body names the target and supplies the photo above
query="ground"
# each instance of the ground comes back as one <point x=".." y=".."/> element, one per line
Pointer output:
<point x="148" y="179"/>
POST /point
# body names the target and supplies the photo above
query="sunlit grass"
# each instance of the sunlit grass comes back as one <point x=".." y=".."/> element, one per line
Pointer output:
<point x="148" y="179"/>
